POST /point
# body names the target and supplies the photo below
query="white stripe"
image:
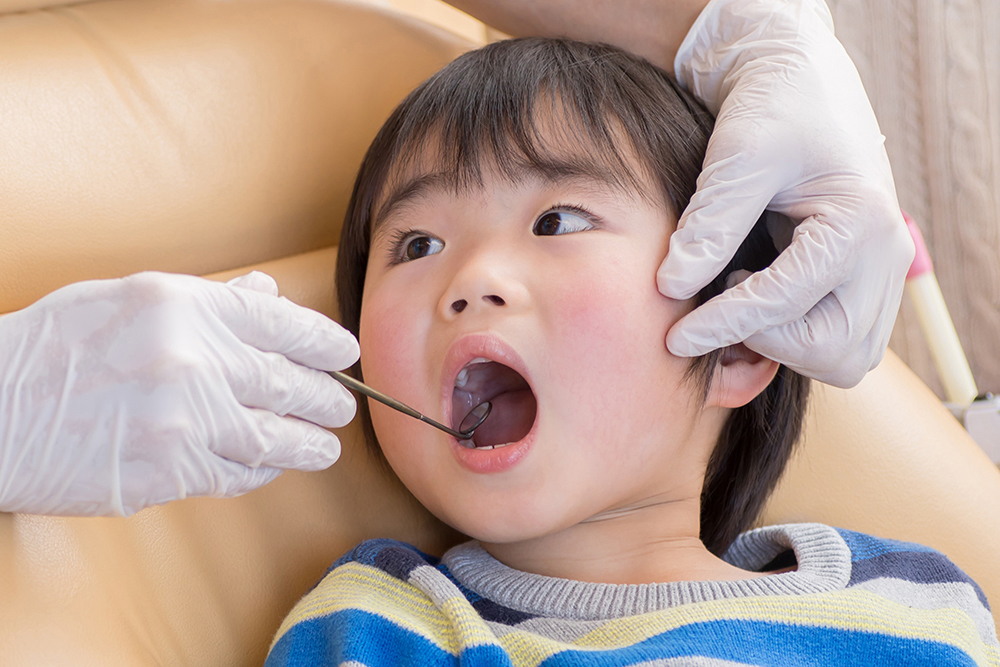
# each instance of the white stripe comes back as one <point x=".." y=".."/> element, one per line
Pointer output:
<point x="955" y="595"/>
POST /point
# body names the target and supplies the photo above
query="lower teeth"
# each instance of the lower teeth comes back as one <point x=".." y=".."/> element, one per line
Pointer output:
<point x="468" y="444"/>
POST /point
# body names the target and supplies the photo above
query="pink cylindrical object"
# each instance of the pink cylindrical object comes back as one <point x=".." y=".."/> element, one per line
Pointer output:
<point x="922" y="260"/>
<point x="932" y="313"/>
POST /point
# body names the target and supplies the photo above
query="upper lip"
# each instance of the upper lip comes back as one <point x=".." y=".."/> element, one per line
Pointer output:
<point x="472" y="346"/>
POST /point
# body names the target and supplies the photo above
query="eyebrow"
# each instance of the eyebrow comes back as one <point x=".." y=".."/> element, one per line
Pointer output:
<point x="406" y="192"/>
<point x="550" y="169"/>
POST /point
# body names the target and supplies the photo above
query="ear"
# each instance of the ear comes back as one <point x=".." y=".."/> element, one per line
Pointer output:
<point x="739" y="377"/>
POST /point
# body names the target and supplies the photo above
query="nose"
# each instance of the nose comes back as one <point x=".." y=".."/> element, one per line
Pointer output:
<point x="459" y="305"/>
<point x="483" y="284"/>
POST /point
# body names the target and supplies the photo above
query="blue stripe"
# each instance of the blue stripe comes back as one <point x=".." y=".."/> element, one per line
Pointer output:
<point x="371" y="640"/>
<point x="377" y="642"/>
<point x="352" y="635"/>
<point x="867" y="546"/>
<point x="774" y="645"/>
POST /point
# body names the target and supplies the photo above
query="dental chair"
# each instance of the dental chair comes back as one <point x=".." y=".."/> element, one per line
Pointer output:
<point x="212" y="137"/>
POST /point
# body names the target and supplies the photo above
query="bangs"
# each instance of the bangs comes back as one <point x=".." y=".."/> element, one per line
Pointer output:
<point x="551" y="108"/>
<point x="548" y="137"/>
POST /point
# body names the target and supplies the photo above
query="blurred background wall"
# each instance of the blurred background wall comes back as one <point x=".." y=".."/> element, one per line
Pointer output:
<point x="932" y="71"/>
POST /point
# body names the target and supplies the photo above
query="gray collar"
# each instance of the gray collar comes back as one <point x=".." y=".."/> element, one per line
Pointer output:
<point x="824" y="564"/>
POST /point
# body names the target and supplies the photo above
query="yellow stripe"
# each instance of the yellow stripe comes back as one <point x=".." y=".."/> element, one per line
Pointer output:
<point x="453" y="627"/>
<point x="472" y="629"/>
<point x="366" y="588"/>
<point x="528" y="650"/>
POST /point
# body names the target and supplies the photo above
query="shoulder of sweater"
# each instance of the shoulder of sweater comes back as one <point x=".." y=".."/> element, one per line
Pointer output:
<point x="879" y="559"/>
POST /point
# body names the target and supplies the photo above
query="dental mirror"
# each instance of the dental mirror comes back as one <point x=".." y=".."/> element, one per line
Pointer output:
<point x="469" y="424"/>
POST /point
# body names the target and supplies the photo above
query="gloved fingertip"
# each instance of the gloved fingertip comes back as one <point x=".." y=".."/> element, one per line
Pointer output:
<point x="671" y="285"/>
<point x="324" y="454"/>
<point x="352" y="350"/>
<point x="345" y="408"/>
<point x="344" y="348"/>
<point x="679" y="345"/>
<point x="700" y="332"/>
<point x="258" y="281"/>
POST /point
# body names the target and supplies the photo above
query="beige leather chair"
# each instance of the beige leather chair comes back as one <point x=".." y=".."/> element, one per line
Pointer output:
<point x="208" y="136"/>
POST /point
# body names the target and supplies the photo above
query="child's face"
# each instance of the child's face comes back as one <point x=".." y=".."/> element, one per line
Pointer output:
<point x="556" y="280"/>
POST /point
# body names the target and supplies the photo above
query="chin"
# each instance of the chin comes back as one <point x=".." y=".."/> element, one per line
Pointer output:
<point x="501" y="534"/>
<point x="505" y="525"/>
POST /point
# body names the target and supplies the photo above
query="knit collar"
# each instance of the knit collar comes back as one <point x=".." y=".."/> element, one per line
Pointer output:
<point x="824" y="564"/>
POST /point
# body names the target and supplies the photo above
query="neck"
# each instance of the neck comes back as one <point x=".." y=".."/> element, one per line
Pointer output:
<point x="651" y="541"/>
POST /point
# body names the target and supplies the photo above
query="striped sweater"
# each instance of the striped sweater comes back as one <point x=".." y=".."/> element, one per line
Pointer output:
<point x="852" y="600"/>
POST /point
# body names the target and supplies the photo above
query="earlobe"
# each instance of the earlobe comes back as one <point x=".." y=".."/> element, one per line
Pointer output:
<point x="740" y="376"/>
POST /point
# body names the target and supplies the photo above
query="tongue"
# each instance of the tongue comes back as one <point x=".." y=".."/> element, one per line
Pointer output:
<point x="511" y="419"/>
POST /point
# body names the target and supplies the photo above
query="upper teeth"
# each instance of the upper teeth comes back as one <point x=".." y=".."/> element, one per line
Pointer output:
<point x="463" y="375"/>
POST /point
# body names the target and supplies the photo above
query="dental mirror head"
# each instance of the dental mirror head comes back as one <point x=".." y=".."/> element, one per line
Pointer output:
<point x="469" y="424"/>
<point x="474" y="419"/>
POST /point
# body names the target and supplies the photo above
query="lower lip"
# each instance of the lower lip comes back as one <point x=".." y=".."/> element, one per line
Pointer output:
<point x="486" y="461"/>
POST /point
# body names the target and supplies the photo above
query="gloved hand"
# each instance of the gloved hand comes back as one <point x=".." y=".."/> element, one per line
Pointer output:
<point x="794" y="133"/>
<point x="120" y="394"/>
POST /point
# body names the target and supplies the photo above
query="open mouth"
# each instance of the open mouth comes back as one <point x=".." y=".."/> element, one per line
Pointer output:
<point x="514" y="404"/>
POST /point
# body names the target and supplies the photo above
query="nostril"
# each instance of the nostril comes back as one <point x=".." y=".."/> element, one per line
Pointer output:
<point x="494" y="299"/>
<point x="459" y="306"/>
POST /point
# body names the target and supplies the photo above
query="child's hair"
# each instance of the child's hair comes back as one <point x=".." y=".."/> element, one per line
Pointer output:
<point x="614" y="114"/>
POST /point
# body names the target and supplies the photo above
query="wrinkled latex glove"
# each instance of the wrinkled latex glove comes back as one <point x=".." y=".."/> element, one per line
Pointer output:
<point x="120" y="394"/>
<point x="794" y="133"/>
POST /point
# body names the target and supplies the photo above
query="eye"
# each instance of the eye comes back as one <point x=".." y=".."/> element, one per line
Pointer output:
<point x="422" y="246"/>
<point x="415" y="245"/>
<point x="555" y="223"/>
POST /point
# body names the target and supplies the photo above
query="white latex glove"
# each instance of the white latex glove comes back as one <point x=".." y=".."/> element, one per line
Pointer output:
<point x="120" y="394"/>
<point x="794" y="133"/>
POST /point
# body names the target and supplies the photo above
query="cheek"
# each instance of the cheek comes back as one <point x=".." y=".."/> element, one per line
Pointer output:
<point x="589" y="305"/>
<point x="383" y="345"/>
<point x="392" y="337"/>
<point x="613" y="314"/>
<point x="610" y="327"/>
<point x="389" y="362"/>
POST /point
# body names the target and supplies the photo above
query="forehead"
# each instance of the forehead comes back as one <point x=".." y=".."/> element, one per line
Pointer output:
<point x="431" y="167"/>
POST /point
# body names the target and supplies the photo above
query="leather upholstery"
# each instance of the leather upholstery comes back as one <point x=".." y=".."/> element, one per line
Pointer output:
<point x="12" y="6"/>
<point x="202" y="136"/>
<point x="188" y="136"/>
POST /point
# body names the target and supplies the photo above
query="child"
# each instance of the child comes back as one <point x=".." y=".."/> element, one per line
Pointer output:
<point x="501" y="245"/>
